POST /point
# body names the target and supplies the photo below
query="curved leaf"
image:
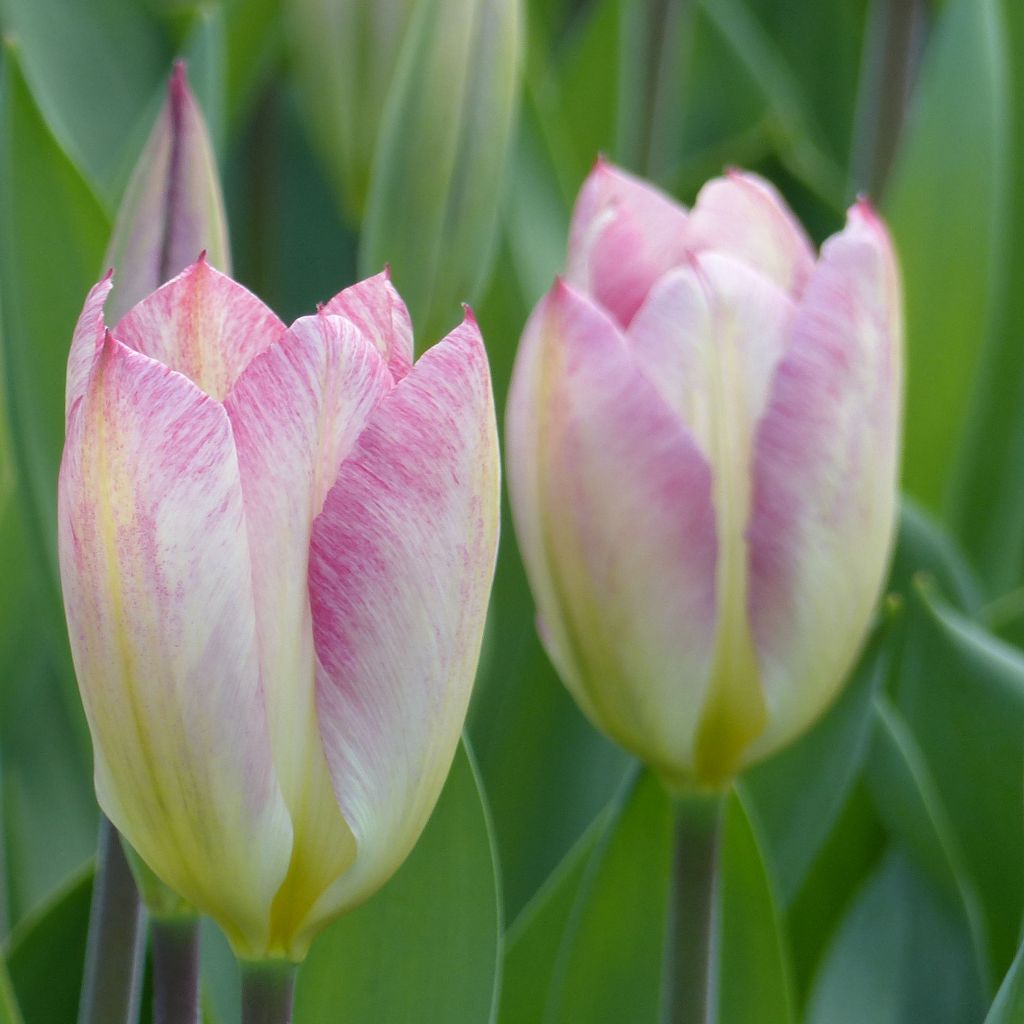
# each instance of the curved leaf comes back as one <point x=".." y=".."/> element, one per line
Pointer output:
<point x="425" y="949"/>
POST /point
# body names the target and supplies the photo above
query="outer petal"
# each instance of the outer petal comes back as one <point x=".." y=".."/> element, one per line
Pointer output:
<point x="156" y="576"/>
<point x="825" y="478"/>
<point x="172" y="208"/>
<point x="614" y="514"/>
<point x="86" y="342"/>
<point x="400" y="573"/>
<point x="297" y="410"/>
<point x="624" y="235"/>
<point x="377" y="309"/>
<point x="743" y="216"/>
<point x="202" y="324"/>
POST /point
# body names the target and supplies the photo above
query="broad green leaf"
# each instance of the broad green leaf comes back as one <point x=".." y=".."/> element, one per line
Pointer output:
<point x="610" y="963"/>
<point x="94" y="68"/>
<point x="52" y="233"/>
<point x="945" y="204"/>
<point x="899" y="958"/>
<point x="962" y="693"/>
<point x="547" y="770"/>
<point x="46" y="953"/>
<point x="851" y="854"/>
<point x="49" y="811"/>
<point x="1009" y="1005"/>
<point x="800" y="792"/>
<point x="906" y="796"/>
<point x="426" y="948"/>
<point x="439" y="166"/>
<point x="533" y="939"/>
<point x="753" y="969"/>
<point x="987" y="500"/>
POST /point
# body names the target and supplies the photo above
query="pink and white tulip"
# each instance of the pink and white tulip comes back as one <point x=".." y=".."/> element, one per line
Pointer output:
<point x="276" y="545"/>
<point x="703" y="438"/>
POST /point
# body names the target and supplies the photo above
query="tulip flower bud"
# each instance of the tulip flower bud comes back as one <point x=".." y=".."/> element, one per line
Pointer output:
<point x="276" y="547"/>
<point x="703" y="437"/>
<point x="441" y="155"/>
<point x="172" y="208"/>
<point x="346" y="52"/>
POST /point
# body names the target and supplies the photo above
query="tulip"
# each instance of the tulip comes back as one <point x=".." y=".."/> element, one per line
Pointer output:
<point x="172" y="207"/>
<point x="276" y="547"/>
<point x="703" y="438"/>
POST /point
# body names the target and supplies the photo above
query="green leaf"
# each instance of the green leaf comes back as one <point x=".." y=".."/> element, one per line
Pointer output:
<point x="46" y="954"/>
<point x="52" y="234"/>
<point x="906" y="796"/>
<point x="987" y="501"/>
<point x="945" y="204"/>
<point x="754" y="971"/>
<point x="962" y="693"/>
<point x="1009" y="1005"/>
<point x="426" y="948"/>
<point x="94" y="68"/>
<point x="610" y="964"/>
<point x="533" y="940"/>
<point x="439" y="166"/>
<point x="899" y="958"/>
<point x="800" y="792"/>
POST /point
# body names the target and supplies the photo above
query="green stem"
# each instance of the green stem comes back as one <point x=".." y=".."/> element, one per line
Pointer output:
<point x="690" y="968"/>
<point x="175" y="950"/>
<point x="268" y="991"/>
<point x="113" y="957"/>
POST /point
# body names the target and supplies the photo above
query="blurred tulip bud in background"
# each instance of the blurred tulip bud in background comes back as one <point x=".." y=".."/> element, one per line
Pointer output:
<point x="276" y="548"/>
<point x="172" y="208"/>
<point x="429" y="146"/>
<point x="703" y="440"/>
<point x="346" y="52"/>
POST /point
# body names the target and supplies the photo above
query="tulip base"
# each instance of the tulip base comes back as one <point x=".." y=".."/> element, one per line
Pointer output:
<point x="268" y="991"/>
<point x="690" y="973"/>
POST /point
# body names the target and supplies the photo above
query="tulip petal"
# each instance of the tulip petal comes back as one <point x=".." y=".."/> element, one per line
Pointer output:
<point x="400" y="573"/>
<point x="825" y="477"/>
<point x="624" y="235"/>
<point x="296" y="411"/>
<point x="616" y="522"/>
<point x="203" y="325"/>
<point x="377" y="309"/>
<point x="743" y="216"/>
<point x="710" y="336"/>
<point x="86" y="342"/>
<point x="157" y="588"/>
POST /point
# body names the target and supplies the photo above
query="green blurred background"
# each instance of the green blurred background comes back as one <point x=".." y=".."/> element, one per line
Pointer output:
<point x="874" y="872"/>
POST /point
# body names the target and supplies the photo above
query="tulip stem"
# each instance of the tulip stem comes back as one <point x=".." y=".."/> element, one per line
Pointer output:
<point x="690" y="988"/>
<point x="175" y="949"/>
<point x="268" y="991"/>
<point x="114" y="950"/>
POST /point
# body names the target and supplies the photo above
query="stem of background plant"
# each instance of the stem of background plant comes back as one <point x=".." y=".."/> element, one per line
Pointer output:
<point x="114" y="952"/>
<point x="175" y="951"/>
<point x="268" y="991"/>
<point x="691" y="954"/>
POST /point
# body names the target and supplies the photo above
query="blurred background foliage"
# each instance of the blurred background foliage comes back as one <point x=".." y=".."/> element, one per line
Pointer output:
<point x="872" y="872"/>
